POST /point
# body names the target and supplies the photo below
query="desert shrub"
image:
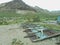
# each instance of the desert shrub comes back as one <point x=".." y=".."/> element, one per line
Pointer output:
<point x="16" y="42"/>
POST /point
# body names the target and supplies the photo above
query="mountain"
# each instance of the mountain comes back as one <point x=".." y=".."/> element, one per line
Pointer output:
<point x="56" y="12"/>
<point x="16" y="4"/>
<point x="20" y="5"/>
<point x="38" y="9"/>
<point x="45" y="11"/>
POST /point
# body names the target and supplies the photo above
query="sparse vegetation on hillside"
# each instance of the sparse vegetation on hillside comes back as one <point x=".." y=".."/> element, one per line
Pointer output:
<point x="12" y="17"/>
<point x="16" y="4"/>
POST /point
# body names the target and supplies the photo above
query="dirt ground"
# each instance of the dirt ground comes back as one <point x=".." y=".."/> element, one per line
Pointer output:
<point x="9" y="32"/>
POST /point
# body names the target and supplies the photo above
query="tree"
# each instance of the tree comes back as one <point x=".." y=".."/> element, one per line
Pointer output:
<point x="32" y="17"/>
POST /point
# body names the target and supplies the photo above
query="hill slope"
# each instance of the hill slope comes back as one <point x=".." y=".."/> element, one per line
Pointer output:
<point x="20" y="5"/>
<point x="16" y="4"/>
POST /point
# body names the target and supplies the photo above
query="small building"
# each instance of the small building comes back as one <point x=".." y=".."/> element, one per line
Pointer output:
<point x="58" y="20"/>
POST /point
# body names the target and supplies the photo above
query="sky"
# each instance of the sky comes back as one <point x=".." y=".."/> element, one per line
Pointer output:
<point x="2" y="1"/>
<point x="50" y="5"/>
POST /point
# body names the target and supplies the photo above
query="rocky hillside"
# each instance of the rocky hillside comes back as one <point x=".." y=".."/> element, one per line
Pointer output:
<point x="16" y="4"/>
<point x="20" y="5"/>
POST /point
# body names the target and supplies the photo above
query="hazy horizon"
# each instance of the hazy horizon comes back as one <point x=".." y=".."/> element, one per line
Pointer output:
<point x="50" y="5"/>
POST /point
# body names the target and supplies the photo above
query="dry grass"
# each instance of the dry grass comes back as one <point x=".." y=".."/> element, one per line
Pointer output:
<point x="7" y="35"/>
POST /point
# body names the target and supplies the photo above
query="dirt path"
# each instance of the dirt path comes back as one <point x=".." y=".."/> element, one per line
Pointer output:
<point x="9" y="32"/>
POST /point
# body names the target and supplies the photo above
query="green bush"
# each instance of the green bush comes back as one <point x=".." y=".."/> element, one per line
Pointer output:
<point x="16" y="42"/>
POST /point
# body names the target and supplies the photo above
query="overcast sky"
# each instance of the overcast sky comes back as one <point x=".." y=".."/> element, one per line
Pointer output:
<point x="45" y="4"/>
